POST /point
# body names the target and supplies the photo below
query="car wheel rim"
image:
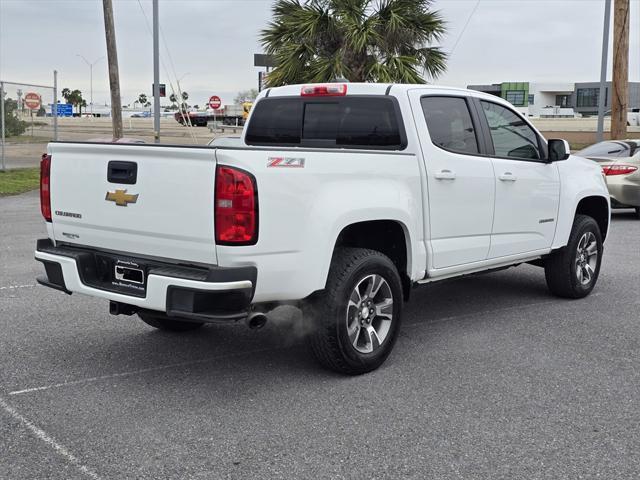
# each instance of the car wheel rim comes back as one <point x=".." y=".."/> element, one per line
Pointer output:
<point x="586" y="258"/>
<point x="369" y="313"/>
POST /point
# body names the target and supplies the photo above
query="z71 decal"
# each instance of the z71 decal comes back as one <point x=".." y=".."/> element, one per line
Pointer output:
<point x="286" y="162"/>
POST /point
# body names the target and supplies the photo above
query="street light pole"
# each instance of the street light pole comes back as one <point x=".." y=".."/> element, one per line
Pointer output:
<point x="156" y="74"/>
<point x="90" y="77"/>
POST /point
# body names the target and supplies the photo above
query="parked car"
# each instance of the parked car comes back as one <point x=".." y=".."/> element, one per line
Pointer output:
<point x="620" y="162"/>
<point x="340" y="198"/>
<point x="633" y="117"/>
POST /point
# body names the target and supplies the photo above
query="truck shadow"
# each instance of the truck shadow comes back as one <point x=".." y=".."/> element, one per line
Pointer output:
<point x="216" y="351"/>
<point x="625" y="215"/>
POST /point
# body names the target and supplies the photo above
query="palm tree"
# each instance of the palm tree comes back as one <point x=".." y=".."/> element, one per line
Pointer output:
<point x="142" y="99"/>
<point x="173" y="99"/>
<point x="360" y="40"/>
<point x="74" y="97"/>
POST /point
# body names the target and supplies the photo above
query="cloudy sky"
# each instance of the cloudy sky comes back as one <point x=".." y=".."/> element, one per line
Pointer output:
<point x="210" y="43"/>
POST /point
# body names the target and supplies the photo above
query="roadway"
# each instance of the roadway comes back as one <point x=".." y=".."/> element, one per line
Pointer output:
<point x="491" y="378"/>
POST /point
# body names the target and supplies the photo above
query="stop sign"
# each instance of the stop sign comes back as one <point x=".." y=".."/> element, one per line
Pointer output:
<point x="32" y="100"/>
<point x="215" y="102"/>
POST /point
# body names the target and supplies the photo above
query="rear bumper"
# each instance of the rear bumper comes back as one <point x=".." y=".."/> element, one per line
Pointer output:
<point x="206" y="294"/>
<point x="624" y="195"/>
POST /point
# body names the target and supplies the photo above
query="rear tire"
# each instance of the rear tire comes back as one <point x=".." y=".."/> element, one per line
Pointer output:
<point x="357" y="317"/>
<point x="161" y="321"/>
<point x="572" y="271"/>
<point x="638" y="213"/>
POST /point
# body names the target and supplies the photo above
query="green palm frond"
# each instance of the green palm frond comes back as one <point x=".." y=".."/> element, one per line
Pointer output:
<point x="362" y="40"/>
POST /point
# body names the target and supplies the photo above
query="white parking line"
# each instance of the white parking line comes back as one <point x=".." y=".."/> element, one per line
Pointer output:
<point x="12" y="287"/>
<point x="136" y="372"/>
<point x="46" y="438"/>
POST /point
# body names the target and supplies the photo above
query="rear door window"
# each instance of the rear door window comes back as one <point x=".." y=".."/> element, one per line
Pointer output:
<point x="347" y="122"/>
<point x="449" y="123"/>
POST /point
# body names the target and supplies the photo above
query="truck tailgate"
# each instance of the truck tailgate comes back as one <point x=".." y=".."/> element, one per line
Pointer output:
<point x="165" y="211"/>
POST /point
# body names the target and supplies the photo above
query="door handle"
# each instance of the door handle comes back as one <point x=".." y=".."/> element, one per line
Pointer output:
<point x="122" y="172"/>
<point x="507" y="177"/>
<point x="445" y="175"/>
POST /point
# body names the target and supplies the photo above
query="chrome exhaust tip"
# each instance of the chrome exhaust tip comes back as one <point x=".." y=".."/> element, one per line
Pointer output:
<point x="256" y="320"/>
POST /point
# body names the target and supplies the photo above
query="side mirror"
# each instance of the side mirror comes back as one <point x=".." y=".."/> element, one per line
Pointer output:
<point x="558" y="149"/>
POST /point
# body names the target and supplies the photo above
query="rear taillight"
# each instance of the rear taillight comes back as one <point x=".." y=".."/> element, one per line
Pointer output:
<point x="328" y="90"/>
<point x="610" y="170"/>
<point x="45" y="186"/>
<point x="236" y="207"/>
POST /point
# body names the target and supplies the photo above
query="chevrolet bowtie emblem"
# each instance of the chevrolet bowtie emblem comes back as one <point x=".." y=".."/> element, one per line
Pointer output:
<point x="121" y="197"/>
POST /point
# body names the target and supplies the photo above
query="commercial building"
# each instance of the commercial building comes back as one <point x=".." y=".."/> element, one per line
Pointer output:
<point x="556" y="99"/>
<point x="586" y="95"/>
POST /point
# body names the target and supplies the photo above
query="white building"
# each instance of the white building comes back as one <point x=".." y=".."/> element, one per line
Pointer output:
<point x="534" y="99"/>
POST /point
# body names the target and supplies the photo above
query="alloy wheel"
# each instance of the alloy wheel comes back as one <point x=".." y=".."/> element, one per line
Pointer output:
<point x="586" y="258"/>
<point x="369" y="313"/>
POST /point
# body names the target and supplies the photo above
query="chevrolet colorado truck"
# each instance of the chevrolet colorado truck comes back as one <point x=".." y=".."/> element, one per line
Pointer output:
<point x="339" y="198"/>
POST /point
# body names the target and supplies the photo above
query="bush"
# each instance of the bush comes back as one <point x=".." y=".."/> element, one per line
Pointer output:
<point x="12" y="125"/>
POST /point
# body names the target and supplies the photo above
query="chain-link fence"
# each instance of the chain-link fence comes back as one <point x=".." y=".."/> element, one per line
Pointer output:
<point x="27" y="122"/>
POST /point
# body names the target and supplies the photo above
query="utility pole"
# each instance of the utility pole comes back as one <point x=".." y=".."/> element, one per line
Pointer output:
<point x="603" y="70"/>
<point x="620" y="84"/>
<point x="114" y="76"/>
<point x="156" y="74"/>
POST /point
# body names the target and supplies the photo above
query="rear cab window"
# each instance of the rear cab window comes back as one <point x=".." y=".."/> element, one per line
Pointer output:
<point x="352" y="122"/>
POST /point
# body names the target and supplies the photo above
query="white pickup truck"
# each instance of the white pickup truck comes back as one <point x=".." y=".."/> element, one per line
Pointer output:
<point x="339" y="198"/>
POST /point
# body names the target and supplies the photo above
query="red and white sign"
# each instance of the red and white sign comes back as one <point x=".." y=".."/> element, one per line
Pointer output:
<point x="32" y="100"/>
<point x="214" y="102"/>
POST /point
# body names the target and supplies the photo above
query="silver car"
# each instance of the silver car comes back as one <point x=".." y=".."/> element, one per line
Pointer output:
<point x="620" y="162"/>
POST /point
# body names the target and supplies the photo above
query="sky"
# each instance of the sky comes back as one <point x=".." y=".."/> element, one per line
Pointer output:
<point x="209" y="44"/>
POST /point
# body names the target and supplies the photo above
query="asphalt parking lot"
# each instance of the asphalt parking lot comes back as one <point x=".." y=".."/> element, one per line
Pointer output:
<point x="491" y="378"/>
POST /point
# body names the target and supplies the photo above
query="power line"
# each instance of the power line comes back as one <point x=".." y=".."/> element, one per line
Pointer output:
<point x="464" y="28"/>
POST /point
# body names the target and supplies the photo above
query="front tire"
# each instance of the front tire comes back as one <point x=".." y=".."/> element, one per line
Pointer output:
<point x="357" y="317"/>
<point x="161" y="321"/>
<point x="572" y="271"/>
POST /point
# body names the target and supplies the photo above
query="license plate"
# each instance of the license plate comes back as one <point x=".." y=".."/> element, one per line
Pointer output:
<point x="128" y="275"/>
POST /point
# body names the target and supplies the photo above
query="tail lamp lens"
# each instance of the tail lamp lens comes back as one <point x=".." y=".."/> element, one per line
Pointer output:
<point x="610" y="170"/>
<point x="45" y="186"/>
<point x="236" y="207"/>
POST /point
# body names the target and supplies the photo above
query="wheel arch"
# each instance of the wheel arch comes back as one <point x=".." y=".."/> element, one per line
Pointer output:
<point x="596" y="207"/>
<point x="389" y="237"/>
